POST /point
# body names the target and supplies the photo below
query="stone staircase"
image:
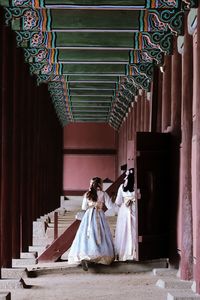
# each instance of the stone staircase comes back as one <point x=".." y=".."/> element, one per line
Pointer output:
<point x="43" y="228"/>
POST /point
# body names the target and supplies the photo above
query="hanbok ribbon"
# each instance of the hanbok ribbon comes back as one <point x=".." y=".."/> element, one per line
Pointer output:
<point x="98" y="206"/>
<point x="128" y="200"/>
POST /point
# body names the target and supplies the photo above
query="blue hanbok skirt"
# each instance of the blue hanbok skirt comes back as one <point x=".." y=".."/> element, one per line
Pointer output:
<point x="93" y="241"/>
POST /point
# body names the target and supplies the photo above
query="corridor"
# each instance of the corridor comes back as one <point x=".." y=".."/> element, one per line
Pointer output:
<point x="149" y="280"/>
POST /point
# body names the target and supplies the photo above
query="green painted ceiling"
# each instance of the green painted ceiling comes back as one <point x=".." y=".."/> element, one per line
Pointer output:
<point x="95" y="55"/>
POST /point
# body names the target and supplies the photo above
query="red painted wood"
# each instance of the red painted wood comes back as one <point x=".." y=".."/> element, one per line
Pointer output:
<point x="6" y="150"/>
<point x="186" y="265"/>
<point x="90" y="151"/>
<point x="156" y="101"/>
<point x="197" y="213"/>
<point x="17" y="82"/>
<point x="30" y="149"/>
<point x="113" y="188"/>
<point x="55" y="225"/>
<point x="153" y="186"/>
<point x="138" y="113"/>
<point x="142" y="111"/>
<point x="176" y="93"/>
<point x="1" y="75"/>
<point x="166" y="94"/>
<point x="61" y="244"/>
<point x="176" y="134"/>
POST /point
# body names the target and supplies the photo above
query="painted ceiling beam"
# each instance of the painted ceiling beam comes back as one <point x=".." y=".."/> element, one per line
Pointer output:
<point x="93" y="7"/>
<point x="94" y="48"/>
<point x="95" y="74"/>
<point x="96" y="30"/>
<point x="90" y="81"/>
<point x="90" y="101"/>
<point x="81" y="41"/>
<point x="93" y="62"/>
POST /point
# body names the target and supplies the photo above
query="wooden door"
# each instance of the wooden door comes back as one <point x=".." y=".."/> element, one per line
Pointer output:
<point x="152" y="183"/>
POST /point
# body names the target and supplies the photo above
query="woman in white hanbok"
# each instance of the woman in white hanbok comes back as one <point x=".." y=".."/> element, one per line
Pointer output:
<point x="93" y="241"/>
<point x="125" y="233"/>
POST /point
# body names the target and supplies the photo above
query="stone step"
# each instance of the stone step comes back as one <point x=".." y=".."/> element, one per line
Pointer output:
<point x="5" y="295"/>
<point x="12" y="284"/>
<point x="28" y="255"/>
<point x="174" y="284"/>
<point x="37" y="249"/>
<point x="182" y="295"/>
<point x="23" y="262"/>
<point x="165" y="272"/>
<point x="14" y="273"/>
<point x="115" y="268"/>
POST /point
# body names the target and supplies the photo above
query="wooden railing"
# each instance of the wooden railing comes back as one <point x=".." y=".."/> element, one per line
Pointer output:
<point x="113" y="188"/>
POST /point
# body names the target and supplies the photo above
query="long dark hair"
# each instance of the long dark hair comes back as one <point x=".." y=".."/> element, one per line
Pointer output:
<point x="128" y="184"/>
<point x="95" y="185"/>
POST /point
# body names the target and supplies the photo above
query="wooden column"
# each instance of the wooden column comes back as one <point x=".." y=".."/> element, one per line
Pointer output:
<point x="138" y="113"/>
<point x="129" y="120"/>
<point x="166" y="94"/>
<point x="6" y="148"/>
<point x="197" y="212"/>
<point x="156" y="101"/>
<point x="17" y="84"/>
<point x="23" y="160"/>
<point x="175" y="130"/>
<point x="186" y="197"/>
<point x="146" y="113"/>
<point x="125" y="140"/>
<point x="1" y="75"/>
<point x="134" y="113"/>
<point x="31" y="85"/>
<point x="142" y="120"/>
<point x="176" y="92"/>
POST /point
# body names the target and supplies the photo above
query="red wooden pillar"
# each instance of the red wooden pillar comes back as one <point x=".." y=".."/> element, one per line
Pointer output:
<point x="166" y="94"/>
<point x="16" y="154"/>
<point x="186" y="196"/>
<point x="23" y="159"/>
<point x="159" y="102"/>
<point x="124" y="140"/>
<point x="129" y="124"/>
<point x="34" y="150"/>
<point x="146" y="113"/>
<point x="138" y="113"/>
<point x="197" y="213"/>
<point x="156" y="101"/>
<point x="176" y="92"/>
<point x="1" y="73"/>
<point x="175" y="129"/>
<point x="6" y="146"/>
<point x="142" y="110"/>
<point x="134" y="117"/>
<point x="29" y="138"/>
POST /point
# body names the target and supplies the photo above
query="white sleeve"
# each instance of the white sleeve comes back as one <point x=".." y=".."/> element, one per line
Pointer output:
<point x="84" y="202"/>
<point x="108" y="202"/>
<point x="119" y="198"/>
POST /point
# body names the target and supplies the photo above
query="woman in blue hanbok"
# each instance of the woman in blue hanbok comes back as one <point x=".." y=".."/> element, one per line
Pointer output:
<point x="93" y="241"/>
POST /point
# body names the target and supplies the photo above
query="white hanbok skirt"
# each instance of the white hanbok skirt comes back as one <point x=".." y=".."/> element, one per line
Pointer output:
<point x="125" y="233"/>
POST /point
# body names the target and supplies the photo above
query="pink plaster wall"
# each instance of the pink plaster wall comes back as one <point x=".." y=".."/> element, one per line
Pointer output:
<point x="89" y="135"/>
<point x="79" y="168"/>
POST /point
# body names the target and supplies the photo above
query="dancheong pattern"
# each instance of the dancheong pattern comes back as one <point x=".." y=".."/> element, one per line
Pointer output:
<point x="95" y="57"/>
